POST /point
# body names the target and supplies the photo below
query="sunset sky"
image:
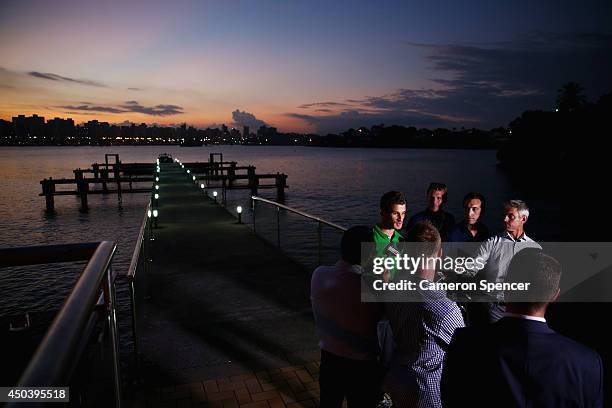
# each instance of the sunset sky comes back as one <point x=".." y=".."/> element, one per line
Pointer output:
<point x="299" y="65"/>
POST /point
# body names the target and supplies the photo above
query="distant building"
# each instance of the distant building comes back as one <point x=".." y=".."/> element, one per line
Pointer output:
<point x="61" y="131"/>
<point x="29" y="129"/>
<point x="6" y="132"/>
<point x="266" y="134"/>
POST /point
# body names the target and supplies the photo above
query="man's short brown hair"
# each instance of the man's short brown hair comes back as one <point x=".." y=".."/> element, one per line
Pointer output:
<point x="426" y="233"/>
<point x="390" y="198"/>
<point x="542" y="272"/>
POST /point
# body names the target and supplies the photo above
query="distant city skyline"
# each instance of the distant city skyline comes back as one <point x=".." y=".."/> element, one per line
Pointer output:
<point x="299" y="66"/>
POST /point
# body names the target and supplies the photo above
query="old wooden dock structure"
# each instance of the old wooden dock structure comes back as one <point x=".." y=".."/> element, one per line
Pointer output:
<point x="137" y="178"/>
<point x="224" y="317"/>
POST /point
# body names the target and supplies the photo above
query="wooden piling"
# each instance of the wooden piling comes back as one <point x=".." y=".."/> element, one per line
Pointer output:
<point x="231" y="173"/>
<point x="82" y="188"/>
<point x="116" y="174"/>
<point x="253" y="180"/>
<point x="48" y="188"/>
<point x="104" y="174"/>
<point x="281" y="184"/>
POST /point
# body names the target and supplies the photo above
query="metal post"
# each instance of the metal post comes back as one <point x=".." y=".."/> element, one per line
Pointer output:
<point x="223" y="193"/>
<point x="134" y="334"/>
<point x="278" y="226"/>
<point x="253" y="205"/>
<point x="109" y="300"/>
<point x="319" y="240"/>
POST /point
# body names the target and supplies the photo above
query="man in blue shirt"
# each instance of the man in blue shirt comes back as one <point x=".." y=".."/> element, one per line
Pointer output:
<point x="437" y="195"/>
<point x="471" y="229"/>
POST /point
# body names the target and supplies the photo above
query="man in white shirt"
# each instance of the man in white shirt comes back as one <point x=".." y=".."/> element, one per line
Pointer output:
<point x="497" y="252"/>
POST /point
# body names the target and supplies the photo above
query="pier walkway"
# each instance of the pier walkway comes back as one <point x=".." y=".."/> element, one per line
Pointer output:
<point x="228" y="321"/>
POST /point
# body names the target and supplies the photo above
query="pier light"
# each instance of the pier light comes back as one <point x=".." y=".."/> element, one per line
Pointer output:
<point x="215" y="195"/>
<point x="193" y="177"/>
<point x="156" y="196"/>
<point x="156" y="187"/>
<point x="149" y="213"/>
<point x="156" y="178"/>
<point x="239" y="211"/>
<point x="188" y="171"/>
<point x="155" y="214"/>
<point x="202" y="186"/>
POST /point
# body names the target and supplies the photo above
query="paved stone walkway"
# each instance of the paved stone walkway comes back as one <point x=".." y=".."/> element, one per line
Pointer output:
<point x="229" y="321"/>
<point x="291" y="387"/>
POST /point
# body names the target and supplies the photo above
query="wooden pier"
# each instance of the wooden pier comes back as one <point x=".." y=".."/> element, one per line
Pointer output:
<point x="98" y="178"/>
<point x="228" y="321"/>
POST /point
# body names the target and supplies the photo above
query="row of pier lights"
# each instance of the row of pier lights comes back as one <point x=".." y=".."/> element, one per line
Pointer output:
<point x="203" y="188"/>
<point x="154" y="213"/>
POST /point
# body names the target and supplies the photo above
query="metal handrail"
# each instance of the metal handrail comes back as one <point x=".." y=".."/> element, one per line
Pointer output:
<point x="278" y="206"/>
<point x="140" y="250"/>
<point x="131" y="273"/>
<point x="303" y="214"/>
<point x="54" y="357"/>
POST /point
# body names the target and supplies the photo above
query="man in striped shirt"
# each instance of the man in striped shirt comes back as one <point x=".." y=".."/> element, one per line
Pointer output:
<point x="422" y="326"/>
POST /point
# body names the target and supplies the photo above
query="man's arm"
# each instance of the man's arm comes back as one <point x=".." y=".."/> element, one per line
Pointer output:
<point x="481" y="257"/>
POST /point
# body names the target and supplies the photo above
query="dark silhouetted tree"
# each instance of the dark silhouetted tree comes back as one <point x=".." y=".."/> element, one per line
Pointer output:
<point x="570" y="97"/>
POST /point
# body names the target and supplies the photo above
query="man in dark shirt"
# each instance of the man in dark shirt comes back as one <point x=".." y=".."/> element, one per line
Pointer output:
<point x="471" y="229"/>
<point x="519" y="361"/>
<point x="436" y="197"/>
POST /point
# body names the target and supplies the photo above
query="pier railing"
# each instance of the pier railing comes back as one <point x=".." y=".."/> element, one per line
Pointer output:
<point x="289" y="233"/>
<point x="137" y="273"/>
<point x="278" y="207"/>
<point x="57" y="357"/>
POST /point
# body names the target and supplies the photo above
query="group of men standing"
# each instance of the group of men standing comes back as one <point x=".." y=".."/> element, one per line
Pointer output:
<point x="420" y="352"/>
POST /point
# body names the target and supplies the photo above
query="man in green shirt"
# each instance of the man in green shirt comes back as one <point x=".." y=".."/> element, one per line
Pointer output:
<point x="392" y="214"/>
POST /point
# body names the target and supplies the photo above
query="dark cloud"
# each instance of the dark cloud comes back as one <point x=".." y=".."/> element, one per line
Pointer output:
<point x="91" y="108"/>
<point x="322" y="104"/>
<point x="489" y="84"/>
<point x="55" y="77"/>
<point x="128" y="106"/>
<point x="246" y="119"/>
<point x="354" y="119"/>
<point x="134" y="89"/>
<point x="323" y="110"/>
<point x="158" y="110"/>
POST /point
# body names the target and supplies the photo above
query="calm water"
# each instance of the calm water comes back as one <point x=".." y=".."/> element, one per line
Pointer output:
<point x="340" y="185"/>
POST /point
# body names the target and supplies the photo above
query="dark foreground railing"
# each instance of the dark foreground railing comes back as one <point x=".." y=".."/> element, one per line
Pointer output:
<point x="58" y="355"/>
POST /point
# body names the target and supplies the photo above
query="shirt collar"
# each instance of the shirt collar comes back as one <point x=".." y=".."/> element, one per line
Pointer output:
<point x="396" y="235"/>
<point x="507" y="235"/>
<point x="525" y="317"/>
<point x="465" y="228"/>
